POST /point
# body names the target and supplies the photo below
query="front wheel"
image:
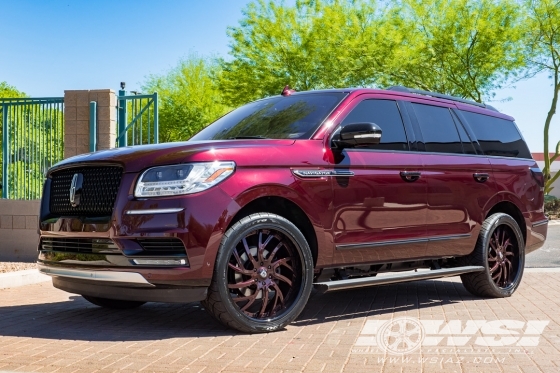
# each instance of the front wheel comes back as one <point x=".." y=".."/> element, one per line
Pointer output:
<point x="263" y="275"/>
<point x="500" y="249"/>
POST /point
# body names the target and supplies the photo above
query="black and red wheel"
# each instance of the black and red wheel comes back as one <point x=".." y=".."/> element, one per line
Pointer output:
<point x="500" y="249"/>
<point x="263" y="274"/>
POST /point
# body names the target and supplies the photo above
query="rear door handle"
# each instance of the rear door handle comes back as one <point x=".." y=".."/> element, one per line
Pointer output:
<point x="410" y="176"/>
<point x="481" y="177"/>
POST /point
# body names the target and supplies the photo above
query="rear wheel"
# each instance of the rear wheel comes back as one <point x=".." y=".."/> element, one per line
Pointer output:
<point x="113" y="303"/>
<point x="263" y="275"/>
<point x="500" y="249"/>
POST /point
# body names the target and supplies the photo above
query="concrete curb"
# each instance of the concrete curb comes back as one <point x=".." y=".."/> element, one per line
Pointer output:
<point x="554" y="222"/>
<point x="21" y="278"/>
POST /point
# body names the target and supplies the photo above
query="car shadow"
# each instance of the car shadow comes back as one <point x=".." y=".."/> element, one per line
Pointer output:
<point x="77" y="319"/>
<point x="381" y="301"/>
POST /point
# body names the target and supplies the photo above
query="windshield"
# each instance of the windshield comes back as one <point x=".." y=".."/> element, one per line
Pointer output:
<point x="279" y="117"/>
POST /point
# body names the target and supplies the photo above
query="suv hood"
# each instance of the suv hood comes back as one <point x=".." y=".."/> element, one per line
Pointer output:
<point x="137" y="158"/>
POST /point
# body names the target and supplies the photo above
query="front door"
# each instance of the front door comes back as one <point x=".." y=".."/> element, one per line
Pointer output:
<point x="380" y="211"/>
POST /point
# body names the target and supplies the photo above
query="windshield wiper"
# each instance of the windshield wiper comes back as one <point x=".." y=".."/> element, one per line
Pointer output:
<point x="246" y="137"/>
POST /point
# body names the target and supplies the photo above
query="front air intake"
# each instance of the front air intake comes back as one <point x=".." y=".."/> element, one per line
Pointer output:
<point x="162" y="246"/>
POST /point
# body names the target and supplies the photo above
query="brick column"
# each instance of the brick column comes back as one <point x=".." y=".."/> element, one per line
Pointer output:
<point x="76" y="120"/>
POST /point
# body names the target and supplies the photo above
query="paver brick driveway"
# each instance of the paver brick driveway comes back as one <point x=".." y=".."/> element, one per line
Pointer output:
<point x="46" y="330"/>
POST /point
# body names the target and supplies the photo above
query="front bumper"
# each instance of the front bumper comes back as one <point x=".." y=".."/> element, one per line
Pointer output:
<point x="120" y="285"/>
<point x="197" y="220"/>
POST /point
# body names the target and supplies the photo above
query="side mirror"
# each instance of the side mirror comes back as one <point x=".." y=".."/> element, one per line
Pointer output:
<point x="356" y="134"/>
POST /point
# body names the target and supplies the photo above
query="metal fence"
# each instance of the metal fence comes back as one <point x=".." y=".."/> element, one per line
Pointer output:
<point x="32" y="134"/>
<point x="137" y="119"/>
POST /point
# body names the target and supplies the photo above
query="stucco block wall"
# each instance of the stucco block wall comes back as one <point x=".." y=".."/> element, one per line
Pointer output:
<point x="76" y="120"/>
<point x="19" y="230"/>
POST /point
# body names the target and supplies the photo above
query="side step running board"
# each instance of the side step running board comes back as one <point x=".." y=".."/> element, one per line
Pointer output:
<point x="394" y="278"/>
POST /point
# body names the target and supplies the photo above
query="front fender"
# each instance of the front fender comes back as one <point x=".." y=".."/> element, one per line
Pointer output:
<point x="313" y="197"/>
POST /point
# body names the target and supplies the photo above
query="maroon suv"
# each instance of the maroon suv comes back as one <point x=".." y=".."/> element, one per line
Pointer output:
<point x="331" y="189"/>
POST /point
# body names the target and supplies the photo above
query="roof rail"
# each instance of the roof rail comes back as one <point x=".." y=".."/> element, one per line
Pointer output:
<point x="400" y="88"/>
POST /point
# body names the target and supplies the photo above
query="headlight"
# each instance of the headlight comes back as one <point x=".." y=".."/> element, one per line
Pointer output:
<point x="182" y="179"/>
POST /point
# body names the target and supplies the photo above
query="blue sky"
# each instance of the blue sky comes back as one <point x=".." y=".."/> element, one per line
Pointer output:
<point x="49" y="46"/>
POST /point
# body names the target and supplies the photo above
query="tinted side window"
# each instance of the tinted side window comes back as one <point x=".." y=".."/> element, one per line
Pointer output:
<point x="497" y="137"/>
<point x="386" y="115"/>
<point x="438" y="129"/>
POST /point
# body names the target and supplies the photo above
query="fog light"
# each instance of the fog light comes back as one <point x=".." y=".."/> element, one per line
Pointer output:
<point x="160" y="262"/>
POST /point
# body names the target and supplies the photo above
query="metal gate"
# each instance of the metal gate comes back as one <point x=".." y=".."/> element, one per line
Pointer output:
<point x="32" y="141"/>
<point x="137" y="119"/>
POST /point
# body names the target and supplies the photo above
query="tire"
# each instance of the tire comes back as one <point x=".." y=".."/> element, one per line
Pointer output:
<point x="113" y="303"/>
<point x="500" y="249"/>
<point x="262" y="256"/>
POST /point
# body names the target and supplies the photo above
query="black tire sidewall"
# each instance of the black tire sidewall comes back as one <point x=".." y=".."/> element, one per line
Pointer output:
<point x="494" y="222"/>
<point x="233" y="237"/>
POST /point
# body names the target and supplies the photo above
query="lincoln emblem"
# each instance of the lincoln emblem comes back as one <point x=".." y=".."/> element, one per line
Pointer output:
<point x="76" y="189"/>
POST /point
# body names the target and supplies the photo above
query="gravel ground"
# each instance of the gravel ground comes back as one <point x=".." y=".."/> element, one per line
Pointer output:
<point x="15" y="266"/>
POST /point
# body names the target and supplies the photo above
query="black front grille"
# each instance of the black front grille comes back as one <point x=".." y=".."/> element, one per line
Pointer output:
<point x="99" y="191"/>
<point x="162" y="246"/>
<point x="79" y="245"/>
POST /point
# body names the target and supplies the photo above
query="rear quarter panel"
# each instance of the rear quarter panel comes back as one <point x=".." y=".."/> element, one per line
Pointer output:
<point x="516" y="184"/>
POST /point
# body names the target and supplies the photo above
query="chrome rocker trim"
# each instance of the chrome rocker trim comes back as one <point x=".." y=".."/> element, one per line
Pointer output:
<point x="369" y="245"/>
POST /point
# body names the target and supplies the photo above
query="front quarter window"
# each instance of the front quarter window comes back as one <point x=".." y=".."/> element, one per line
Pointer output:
<point x="281" y="117"/>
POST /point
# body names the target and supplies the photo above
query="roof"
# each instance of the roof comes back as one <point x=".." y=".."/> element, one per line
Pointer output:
<point x="460" y="103"/>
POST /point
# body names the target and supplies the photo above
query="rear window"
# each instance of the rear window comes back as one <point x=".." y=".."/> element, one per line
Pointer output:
<point x="497" y="137"/>
<point x="279" y="117"/>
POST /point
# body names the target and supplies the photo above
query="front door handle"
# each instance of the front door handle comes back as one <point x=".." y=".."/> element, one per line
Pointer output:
<point x="410" y="176"/>
<point x="481" y="177"/>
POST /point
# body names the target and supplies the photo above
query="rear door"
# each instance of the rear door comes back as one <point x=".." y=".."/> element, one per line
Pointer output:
<point x="379" y="212"/>
<point x="512" y="165"/>
<point x="459" y="180"/>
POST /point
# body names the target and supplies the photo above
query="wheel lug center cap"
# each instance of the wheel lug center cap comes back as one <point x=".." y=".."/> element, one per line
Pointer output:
<point x="262" y="272"/>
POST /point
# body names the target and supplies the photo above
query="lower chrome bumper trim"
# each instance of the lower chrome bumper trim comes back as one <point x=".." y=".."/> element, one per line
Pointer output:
<point x="97" y="276"/>
<point x="154" y="211"/>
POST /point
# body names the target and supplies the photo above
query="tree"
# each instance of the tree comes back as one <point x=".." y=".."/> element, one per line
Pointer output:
<point x="467" y="48"/>
<point x="8" y="91"/>
<point x="189" y="97"/>
<point x="312" y="45"/>
<point x="544" y="20"/>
